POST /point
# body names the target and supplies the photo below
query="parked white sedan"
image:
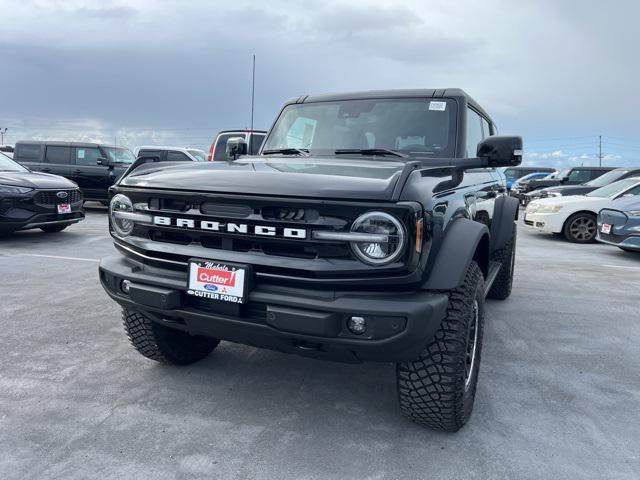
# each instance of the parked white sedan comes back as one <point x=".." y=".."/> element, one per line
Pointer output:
<point x="575" y="217"/>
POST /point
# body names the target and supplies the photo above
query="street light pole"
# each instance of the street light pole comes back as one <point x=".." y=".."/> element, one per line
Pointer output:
<point x="2" y="132"/>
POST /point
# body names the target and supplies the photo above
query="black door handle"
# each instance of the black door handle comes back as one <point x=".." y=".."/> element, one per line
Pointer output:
<point x="77" y="171"/>
<point x="46" y="169"/>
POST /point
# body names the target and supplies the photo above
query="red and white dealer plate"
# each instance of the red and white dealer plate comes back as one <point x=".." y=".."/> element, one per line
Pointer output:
<point x="218" y="281"/>
<point x="64" y="208"/>
<point x="606" y="228"/>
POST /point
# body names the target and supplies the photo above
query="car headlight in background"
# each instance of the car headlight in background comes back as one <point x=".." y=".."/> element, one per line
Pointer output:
<point x="390" y="242"/>
<point x="549" y="208"/>
<point x="13" y="189"/>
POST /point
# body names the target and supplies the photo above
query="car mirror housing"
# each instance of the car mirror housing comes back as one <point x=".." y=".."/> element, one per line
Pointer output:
<point x="236" y="146"/>
<point x="102" y="161"/>
<point x="501" y="151"/>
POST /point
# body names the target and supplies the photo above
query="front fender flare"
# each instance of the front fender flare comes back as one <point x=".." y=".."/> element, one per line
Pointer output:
<point x="464" y="240"/>
<point x="504" y="214"/>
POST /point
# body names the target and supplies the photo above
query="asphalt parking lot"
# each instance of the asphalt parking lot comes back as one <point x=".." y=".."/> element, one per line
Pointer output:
<point x="558" y="397"/>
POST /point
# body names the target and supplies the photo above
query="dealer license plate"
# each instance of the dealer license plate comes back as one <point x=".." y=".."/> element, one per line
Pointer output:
<point x="214" y="280"/>
<point x="64" y="208"/>
<point x="606" y="228"/>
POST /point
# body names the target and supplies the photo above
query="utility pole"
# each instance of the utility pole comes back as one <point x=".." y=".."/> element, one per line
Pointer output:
<point x="253" y="87"/>
<point x="2" y="132"/>
<point x="600" y="149"/>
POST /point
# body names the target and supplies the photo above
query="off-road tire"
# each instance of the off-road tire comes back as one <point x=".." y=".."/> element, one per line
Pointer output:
<point x="501" y="288"/>
<point x="53" y="228"/>
<point x="567" y="228"/>
<point x="164" y="344"/>
<point x="433" y="390"/>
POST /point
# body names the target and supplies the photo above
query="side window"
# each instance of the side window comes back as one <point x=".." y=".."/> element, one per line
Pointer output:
<point x="59" y="155"/>
<point x="149" y="153"/>
<point x="633" y="191"/>
<point x="28" y="153"/>
<point x="580" y="175"/>
<point x="255" y="143"/>
<point x="173" y="156"/>
<point x="486" y="129"/>
<point x="596" y="174"/>
<point x="221" y="145"/>
<point x="87" y="156"/>
<point x="474" y="132"/>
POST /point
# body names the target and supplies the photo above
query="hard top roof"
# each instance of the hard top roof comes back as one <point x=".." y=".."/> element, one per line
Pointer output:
<point x="455" y="93"/>
<point x="67" y="144"/>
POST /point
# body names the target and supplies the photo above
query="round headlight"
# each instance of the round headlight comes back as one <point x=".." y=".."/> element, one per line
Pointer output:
<point x="121" y="203"/>
<point x="379" y="252"/>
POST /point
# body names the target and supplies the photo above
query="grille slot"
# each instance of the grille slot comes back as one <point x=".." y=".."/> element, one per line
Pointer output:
<point x="50" y="197"/>
<point x="226" y="210"/>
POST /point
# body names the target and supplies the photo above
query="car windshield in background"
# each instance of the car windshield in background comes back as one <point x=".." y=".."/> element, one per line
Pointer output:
<point x="607" y="178"/>
<point x="119" y="155"/>
<point x="199" y="154"/>
<point x="412" y="126"/>
<point x="8" y="165"/>
<point x="614" y="188"/>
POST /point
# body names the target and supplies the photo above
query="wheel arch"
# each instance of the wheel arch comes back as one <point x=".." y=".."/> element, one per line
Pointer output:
<point x="505" y="213"/>
<point x="590" y="212"/>
<point x="464" y="241"/>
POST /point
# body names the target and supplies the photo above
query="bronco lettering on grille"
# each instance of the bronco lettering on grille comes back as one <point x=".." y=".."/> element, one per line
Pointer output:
<point x="229" y="227"/>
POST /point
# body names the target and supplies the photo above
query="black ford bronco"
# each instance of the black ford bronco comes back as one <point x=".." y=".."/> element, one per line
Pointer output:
<point x="370" y="227"/>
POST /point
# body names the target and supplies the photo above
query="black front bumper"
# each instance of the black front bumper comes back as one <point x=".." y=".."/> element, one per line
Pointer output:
<point x="291" y="320"/>
<point x="23" y="211"/>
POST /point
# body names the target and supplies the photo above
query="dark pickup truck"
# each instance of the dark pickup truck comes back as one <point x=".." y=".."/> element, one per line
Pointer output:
<point x="370" y="227"/>
<point x="93" y="167"/>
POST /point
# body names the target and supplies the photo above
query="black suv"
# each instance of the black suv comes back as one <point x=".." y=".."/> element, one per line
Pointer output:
<point x="36" y="200"/>
<point x="94" y="167"/>
<point x="361" y="232"/>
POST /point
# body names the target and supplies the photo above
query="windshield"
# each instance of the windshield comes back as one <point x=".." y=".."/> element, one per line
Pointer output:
<point x="614" y="188"/>
<point x="607" y="178"/>
<point x="8" y="165"/>
<point x="119" y="155"/>
<point x="413" y="126"/>
<point x="199" y="154"/>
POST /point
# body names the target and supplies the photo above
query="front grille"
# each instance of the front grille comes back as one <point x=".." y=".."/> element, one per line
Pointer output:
<point x="170" y="244"/>
<point x="50" y="197"/>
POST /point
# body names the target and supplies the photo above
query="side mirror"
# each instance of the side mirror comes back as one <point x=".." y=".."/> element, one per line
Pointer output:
<point x="501" y="151"/>
<point x="236" y="146"/>
<point x="102" y="161"/>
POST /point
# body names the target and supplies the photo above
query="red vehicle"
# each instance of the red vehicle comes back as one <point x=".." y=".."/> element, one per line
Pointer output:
<point x="254" y="139"/>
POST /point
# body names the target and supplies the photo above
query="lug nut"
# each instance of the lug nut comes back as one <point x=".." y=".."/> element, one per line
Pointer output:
<point x="357" y="325"/>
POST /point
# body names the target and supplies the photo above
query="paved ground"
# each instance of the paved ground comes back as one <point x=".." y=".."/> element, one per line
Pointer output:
<point x="559" y="393"/>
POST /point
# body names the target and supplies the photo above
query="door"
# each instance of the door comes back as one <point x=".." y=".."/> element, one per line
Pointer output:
<point x="57" y="160"/>
<point x="481" y="184"/>
<point x="89" y="174"/>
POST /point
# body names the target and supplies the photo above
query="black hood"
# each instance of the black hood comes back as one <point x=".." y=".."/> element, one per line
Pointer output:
<point x="319" y="177"/>
<point x="35" y="180"/>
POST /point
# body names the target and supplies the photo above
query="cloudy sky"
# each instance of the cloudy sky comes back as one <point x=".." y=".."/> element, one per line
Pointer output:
<point x="558" y="72"/>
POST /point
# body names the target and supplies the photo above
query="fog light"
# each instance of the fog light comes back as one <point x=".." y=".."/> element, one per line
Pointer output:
<point x="125" y="285"/>
<point x="357" y="325"/>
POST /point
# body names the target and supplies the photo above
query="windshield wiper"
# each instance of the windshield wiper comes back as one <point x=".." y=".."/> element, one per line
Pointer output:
<point x="287" y="151"/>
<point x="371" y="151"/>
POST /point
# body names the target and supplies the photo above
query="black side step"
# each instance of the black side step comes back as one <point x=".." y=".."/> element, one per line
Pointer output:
<point x="494" y="268"/>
